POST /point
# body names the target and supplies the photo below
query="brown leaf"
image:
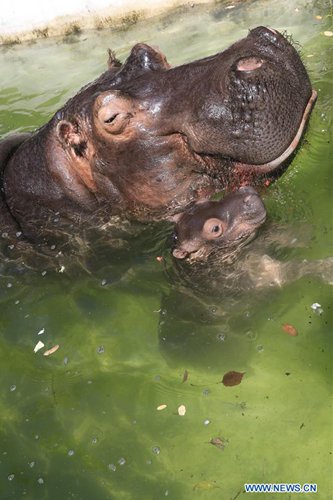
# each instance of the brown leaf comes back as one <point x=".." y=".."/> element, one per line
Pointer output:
<point x="290" y="329"/>
<point x="232" y="378"/>
<point x="218" y="442"/>
<point x="51" y="351"/>
<point x="185" y="376"/>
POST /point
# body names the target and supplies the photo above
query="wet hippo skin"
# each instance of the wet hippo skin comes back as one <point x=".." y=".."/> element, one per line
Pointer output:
<point x="147" y="140"/>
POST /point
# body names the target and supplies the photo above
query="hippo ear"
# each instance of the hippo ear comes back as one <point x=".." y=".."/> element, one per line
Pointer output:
<point x="68" y="133"/>
<point x="70" y="136"/>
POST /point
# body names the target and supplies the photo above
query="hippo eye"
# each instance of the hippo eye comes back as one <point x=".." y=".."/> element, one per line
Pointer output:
<point x="212" y="228"/>
<point x="112" y="118"/>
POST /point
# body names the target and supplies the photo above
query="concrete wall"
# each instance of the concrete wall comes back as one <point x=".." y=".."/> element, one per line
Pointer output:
<point x="22" y="20"/>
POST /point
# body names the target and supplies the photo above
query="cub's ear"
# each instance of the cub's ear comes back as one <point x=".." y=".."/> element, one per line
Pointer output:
<point x="68" y="133"/>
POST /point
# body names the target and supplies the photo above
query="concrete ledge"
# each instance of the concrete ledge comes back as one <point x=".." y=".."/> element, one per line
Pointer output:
<point x="25" y="20"/>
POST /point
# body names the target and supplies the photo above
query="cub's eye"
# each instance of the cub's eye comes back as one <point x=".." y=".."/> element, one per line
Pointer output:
<point x="212" y="228"/>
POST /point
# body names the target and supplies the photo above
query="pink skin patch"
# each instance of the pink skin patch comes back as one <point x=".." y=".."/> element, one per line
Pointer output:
<point x="249" y="64"/>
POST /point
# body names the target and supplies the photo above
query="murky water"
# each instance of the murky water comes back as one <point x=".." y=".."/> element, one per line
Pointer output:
<point x="83" y="423"/>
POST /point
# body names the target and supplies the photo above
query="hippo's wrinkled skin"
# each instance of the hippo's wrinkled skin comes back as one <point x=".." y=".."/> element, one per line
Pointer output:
<point x="148" y="140"/>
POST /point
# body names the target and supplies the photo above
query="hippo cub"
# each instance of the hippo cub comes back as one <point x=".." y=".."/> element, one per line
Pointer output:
<point x="211" y="248"/>
<point x="224" y="226"/>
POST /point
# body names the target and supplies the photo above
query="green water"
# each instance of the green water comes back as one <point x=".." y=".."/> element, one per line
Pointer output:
<point x="83" y="423"/>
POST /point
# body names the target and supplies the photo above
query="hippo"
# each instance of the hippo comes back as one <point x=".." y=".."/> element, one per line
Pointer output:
<point x="146" y="140"/>
<point x="212" y="250"/>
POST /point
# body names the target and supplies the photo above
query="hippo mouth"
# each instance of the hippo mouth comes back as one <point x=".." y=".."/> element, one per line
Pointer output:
<point x="273" y="164"/>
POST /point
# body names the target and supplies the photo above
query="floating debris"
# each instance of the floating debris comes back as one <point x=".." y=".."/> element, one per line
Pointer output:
<point x="328" y="33"/>
<point x="70" y="453"/>
<point x="122" y="461"/>
<point x="112" y="467"/>
<point x="41" y="331"/>
<point x="12" y="388"/>
<point x="207" y="421"/>
<point x="38" y="346"/>
<point x="185" y="376"/>
<point x="181" y="410"/>
<point x="156" y="450"/>
<point x="100" y="349"/>
<point x="232" y="378"/>
<point x="218" y="442"/>
<point x="61" y="269"/>
<point x="159" y="258"/>
<point x="290" y="329"/>
<point x="40" y="480"/>
<point x="161" y="407"/>
<point x="11" y="477"/>
<point x="52" y="350"/>
<point x="317" y="308"/>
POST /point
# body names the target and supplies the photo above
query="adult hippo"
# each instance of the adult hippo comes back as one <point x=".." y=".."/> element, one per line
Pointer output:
<point x="148" y="140"/>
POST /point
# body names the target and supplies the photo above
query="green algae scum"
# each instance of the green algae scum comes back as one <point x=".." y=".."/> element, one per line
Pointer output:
<point x="155" y="389"/>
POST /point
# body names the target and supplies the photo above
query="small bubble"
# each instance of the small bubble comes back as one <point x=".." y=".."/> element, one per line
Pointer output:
<point x="149" y="462"/>
<point x="70" y="453"/>
<point x="100" y="349"/>
<point x="89" y="382"/>
<point x="17" y="302"/>
<point x="36" y="437"/>
<point x="166" y="493"/>
<point x="40" y="480"/>
<point x="156" y="450"/>
<point x="221" y="337"/>
<point x="260" y="348"/>
<point x="112" y="467"/>
<point x="157" y="378"/>
<point x="206" y="422"/>
<point x="53" y="247"/>
<point x="12" y="388"/>
<point x="9" y="285"/>
<point x="65" y="361"/>
<point x="94" y="440"/>
<point x="121" y="461"/>
<point x="251" y="335"/>
<point x="31" y="464"/>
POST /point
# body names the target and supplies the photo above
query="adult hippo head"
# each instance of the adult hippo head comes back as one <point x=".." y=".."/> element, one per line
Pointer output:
<point x="148" y="140"/>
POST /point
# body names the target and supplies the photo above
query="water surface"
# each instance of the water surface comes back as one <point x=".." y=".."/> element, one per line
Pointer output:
<point x="83" y="423"/>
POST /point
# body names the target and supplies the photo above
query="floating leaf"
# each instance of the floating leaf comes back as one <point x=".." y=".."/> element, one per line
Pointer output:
<point x="51" y="351"/>
<point x="218" y="442"/>
<point x="185" y="376"/>
<point x="290" y="329"/>
<point x="205" y="486"/>
<point x="38" y="346"/>
<point x="232" y="378"/>
<point x="161" y="407"/>
<point x="181" y="410"/>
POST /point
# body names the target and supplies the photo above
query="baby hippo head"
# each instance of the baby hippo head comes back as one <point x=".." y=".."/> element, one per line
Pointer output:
<point x="222" y="226"/>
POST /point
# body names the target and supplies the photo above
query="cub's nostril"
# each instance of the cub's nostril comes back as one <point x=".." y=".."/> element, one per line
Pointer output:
<point x="249" y="63"/>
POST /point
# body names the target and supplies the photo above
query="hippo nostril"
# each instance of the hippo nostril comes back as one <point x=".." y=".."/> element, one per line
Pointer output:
<point x="249" y="63"/>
